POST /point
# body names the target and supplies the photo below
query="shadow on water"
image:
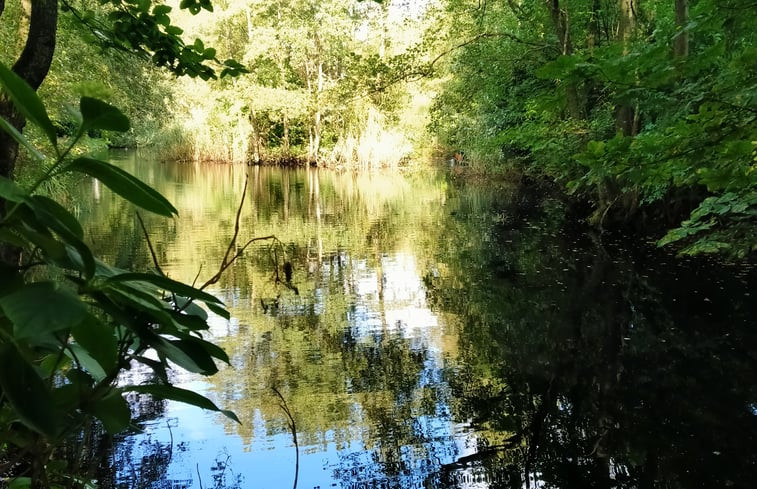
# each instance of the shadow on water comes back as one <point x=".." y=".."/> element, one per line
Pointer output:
<point x="592" y="363"/>
<point x="443" y="337"/>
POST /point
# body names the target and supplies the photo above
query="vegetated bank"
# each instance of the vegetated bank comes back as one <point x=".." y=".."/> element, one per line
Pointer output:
<point x="645" y="113"/>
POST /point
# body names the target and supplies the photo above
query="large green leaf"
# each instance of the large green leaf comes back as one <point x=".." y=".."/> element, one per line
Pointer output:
<point x="41" y="308"/>
<point x="190" y="321"/>
<point x="125" y="185"/>
<point x="10" y="191"/>
<point x="187" y="354"/>
<point x="26" y="392"/>
<point x="20" y="483"/>
<point x="54" y="249"/>
<point x="99" y="340"/>
<point x="27" y="102"/>
<point x="221" y="311"/>
<point x="181" y="395"/>
<point x="56" y="216"/>
<point x="20" y="139"/>
<point x="113" y="411"/>
<point x="96" y="114"/>
<point x="51" y="214"/>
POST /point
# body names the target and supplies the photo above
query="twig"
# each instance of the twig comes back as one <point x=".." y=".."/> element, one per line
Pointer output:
<point x="149" y="245"/>
<point x="293" y="429"/>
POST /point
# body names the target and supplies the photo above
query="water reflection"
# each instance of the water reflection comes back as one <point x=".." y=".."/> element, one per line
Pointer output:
<point x="357" y="353"/>
<point x="591" y="364"/>
<point x="442" y="336"/>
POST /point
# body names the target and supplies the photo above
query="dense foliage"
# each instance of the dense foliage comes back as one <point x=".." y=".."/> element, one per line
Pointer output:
<point x="645" y="109"/>
<point x="304" y="99"/>
<point x="70" y="324"/>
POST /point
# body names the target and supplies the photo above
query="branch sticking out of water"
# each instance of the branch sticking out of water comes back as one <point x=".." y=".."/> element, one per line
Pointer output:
<point x="228" y="258"/>
<point x="293" y="429"/>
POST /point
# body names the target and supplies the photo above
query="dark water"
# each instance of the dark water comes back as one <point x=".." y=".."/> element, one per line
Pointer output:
<point x="442" y="336"/>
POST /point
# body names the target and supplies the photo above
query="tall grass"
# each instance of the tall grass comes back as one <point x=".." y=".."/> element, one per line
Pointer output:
<point x="376" y="145"/>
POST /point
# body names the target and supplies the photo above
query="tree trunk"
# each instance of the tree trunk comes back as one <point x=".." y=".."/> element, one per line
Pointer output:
<point x="681" y="40"/>
<point x="562" y="29"/>
<point x="317" y="121"/>
<point x="594" y="36"/>
<point x="32" y="66"/>
<point x="384" y="46"/>
<point x="625" y="115"/>
<point x="285" y="138"/>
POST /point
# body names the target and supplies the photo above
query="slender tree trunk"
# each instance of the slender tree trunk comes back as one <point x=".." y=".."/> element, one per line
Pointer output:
<point x="562" y="28"/>
<point x="248" y="17"/>
<point x="681" y="40"/>
<point x="594" y="36"/>
<point x="384" y="46"/>
<point x="285" y="139"/>
<point x="317" y="121"/>
<point x="255" y="138"/>
<point x="625" y="115"/>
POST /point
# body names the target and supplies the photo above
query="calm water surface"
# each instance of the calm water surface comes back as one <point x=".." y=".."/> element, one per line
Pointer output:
<point x="439" y="336"/>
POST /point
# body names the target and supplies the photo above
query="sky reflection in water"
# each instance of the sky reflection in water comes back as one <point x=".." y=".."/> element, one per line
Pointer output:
<point x="393" y="425"/>
<point x="443" y="336"/>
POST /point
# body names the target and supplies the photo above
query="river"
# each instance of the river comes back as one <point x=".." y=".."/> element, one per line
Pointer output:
<point x="433" y="335"/>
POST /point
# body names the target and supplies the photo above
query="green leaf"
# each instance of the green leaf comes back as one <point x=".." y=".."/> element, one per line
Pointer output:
<point x="55" y="216"/>
<point x="7" y="127"/>
<point x="80" y="257"/>
<point x="221" y="311"/>
<point x="181" y="395"/>
<point x="96" y="114"/>
<point x="20" y="483"/>
<point x="140" y="299"/>
<point x="99" y="340"/>
<point x="172" y="30"/>
<point x="113" y="411"/>
<point x="165" y="283"/>
<point x="161" y="10"/>
<point x="52" y="248"/>
<point x="27" y="102"/>
<point x="41" y="308"/>
<point x="189" y="321"/>
<point x="83" y="358"/>
<point x="26" y="392"/>
<point x="9" y="190"/>
<point x="191" y="308"/>
<point x="125" y="185"/>
<point x="188" y="355"/>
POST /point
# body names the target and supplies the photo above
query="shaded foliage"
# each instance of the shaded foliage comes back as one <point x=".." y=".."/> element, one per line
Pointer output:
<point x="646" y="110"/>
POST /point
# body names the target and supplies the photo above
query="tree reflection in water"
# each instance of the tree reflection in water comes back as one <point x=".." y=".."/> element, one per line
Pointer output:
<point x="594" y="365"/>
<point x="529" y="354"/>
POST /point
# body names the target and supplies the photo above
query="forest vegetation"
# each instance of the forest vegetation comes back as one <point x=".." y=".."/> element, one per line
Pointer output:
<point x="643" y="113"/>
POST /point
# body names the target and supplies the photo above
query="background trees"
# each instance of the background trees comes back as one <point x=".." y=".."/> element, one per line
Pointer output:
<point x="643" y="109"/>
<point x="307" y="96"/>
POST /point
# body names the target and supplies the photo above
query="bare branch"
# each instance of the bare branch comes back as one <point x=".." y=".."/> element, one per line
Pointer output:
<point x="293" y="429"/>
<point x="149" y="244"/>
